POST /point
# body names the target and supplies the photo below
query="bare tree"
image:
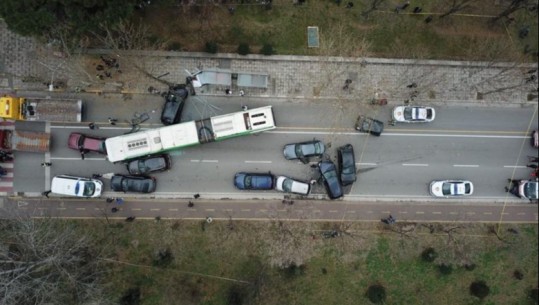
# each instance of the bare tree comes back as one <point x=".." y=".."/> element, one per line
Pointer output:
<point x="514" y="6"/>
<point x="47" y="261"/>
<point x="457" y="6"/>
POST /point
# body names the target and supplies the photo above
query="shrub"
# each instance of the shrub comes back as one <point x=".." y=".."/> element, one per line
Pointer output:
<point x="243" y="49"/>
<point x="174" y="46"/>
<point x="479" y="289"/>
<point x="470" y="266"/>
<point x="162" y="257"/>
<point x="267" y="49"/>
<point x="445" y="269"/>
<point x="376" y="293"/>
<point x="429" y="255"/>
<point x="211" y="47"/>
<point x="533" y="294"/>
<point x="518" y="274"/>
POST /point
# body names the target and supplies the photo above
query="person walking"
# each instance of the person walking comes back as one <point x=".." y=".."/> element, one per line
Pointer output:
<point x="46" y="164"/>
<point x="92" y="126"/>
<point x="119" y="200"/>
<point x="112" y="121"/>
<point x="46" y="193"/>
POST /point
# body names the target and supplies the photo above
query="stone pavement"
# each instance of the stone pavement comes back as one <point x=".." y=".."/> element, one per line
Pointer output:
<point x="28" y="65"/>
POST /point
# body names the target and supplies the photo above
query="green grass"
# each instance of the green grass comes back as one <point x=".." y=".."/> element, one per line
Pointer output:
<point x="338" y="271"/>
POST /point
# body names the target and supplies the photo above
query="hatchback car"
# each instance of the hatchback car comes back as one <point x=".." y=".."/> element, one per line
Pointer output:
<point x="76" y="186"/>
<point x="121" y="183"/>
<point x="254" y="181"/>
<point x="174" y="102"/>
<point x="331" y="179"/>
<point x="413" y="114"/>
<point x="304" y="150"/>
<point x="148" y="165"/>
<point x="84" y="144"/>
<point x="451" y="188"/>
<point x="347" y="164"/>
<point x="289" y="185"/>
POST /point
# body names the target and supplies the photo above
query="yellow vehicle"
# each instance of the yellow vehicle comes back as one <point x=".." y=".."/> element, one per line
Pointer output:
<point x="40" y="109"/>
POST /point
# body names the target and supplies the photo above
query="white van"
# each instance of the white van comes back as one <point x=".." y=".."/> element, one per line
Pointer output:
<point x="76" y="186"/>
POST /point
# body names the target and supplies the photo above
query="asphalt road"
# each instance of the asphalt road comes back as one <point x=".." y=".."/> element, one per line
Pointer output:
<point x="484" y="145"/>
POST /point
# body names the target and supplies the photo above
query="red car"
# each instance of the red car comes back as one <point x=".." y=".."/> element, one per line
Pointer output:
<point x="85" y="144"/>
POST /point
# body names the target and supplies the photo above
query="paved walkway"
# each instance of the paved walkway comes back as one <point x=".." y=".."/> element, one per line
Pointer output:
<point x="28" y="65"/>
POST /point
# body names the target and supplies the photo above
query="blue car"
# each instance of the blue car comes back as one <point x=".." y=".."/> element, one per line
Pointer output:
<point x="254" y="181"/>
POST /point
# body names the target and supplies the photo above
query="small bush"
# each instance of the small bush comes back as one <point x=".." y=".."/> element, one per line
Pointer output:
<point x="533" y="294"/>
<point x="267" y="49"/>
<point x="518" y="274"/>
<point x="445" y="269"/>
<point x="429" y="255"/>
<point x="376" y="293"/>
<point x="479" y="289"/>
<point x="211" y="47"/>
<point x="174" y="46"/>
<point x="470" y="266"/>
<point x="162" y="257"/>
<point x="131" y="297"/>
<point x="243" y="49"/>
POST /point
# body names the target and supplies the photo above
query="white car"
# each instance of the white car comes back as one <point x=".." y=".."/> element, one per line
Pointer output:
<point x="76" y="186"/>
<point x="289" y="185"/>
<point x="451" y="188"/>
<point x="413" y="114"/>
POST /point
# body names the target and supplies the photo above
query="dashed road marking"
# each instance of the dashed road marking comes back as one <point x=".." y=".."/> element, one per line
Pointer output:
<point x="465" y="165"/>
<point x="414" y="164"/>
<point x="173" y="210"/>
<point x="155" y="209"/>
<point x="437" y="213"/>
<point x="245" y="210"/>
<point x="333" y="211"/>
<point x="265" y="162"/>
<point x="470" y="213"/>
<point x="210" y="161"/>
<point x="487" y="213"/>
<point x="420" y="212"/>
<point x="81" y="209"/>
<point x="136" y="209"/>
<point x="453" y="213"/>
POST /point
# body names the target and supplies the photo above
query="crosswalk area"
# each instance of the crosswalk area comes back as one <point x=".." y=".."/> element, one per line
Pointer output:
<point x="7" y="167"/>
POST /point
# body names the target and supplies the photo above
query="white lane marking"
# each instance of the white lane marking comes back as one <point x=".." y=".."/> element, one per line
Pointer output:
<point x="437" y="213"/>
<point x="195" y="160"/>
<point x="7" y="165"/>
<point x="414" y="164"/>
<point x="245" y="210"/>
<point x="257" y="161"/>
<point x="79" y="158"/>
<point x="371" y="164"/>
<point x="515" y="166"/>
<point x="401" y="134"/>
<point x="420" y="212"/>
<point x="210" y="161"/>
<point x="465" y="165"/>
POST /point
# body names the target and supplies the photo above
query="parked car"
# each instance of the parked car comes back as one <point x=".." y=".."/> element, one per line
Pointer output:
<point x="85" y="143"/>
<point x="149" y="164"/>
<point x="451" y="188"/>
<point x="76" y="186"/>
<point x="254" y="181"/>
<point x="413" y="114"/>
<point x="304" y="150"/>
<point x="139" y="184"/>
<point x="331" y="179"/>
<point x="289" y="185"/>
<point x="369" y="125"/>
<point x="347" y="164"/>
<point x="174" y="102"/>
<point x="529" y="189"/>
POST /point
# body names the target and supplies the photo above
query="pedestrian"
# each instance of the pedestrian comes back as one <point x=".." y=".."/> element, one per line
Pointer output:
<point x="349" y="5"/>
<point x="228" y="92"/>
<point x="46" y="193"/>
<point x="130" y="219"/>
<point x="109" y="200"/>
<point x="46" y="164"/>
<point x="107" y="74"/>
<point x="242" y="93"/>
<point x="429" y="19"/>
<point x="412" y="85"/>
<point x="112" y="121"/>
<point x="417" y="10"/>
<point x="244" y="107"/>
<point x="312" y="182"/>
<point x="99" y="68"/>
<point x="190" y="204"/>
<point x="92" y="126"/>
<point x="119" y="200"/>
<point x="96" y="176"/>
<point x="114" y="210"/>
<point x="196" y="196"/>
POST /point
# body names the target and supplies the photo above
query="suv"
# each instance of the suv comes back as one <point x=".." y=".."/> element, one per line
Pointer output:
<point x="172" y="111"/>
<point x="347" y="164"/>
<point x="331" y="179"/>
<point x="148" y="165"/>
<point x="121" y="183"/>
<point x="304" y="150"/>
<point x="254" y="181"/>
<point x="84" y="143"/>
<point x="76" y="186"/>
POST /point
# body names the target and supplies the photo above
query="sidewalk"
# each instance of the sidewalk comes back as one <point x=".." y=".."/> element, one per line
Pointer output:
<point x="28" y="65"/>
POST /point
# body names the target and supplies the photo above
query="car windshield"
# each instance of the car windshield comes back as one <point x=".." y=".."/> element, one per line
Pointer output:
<point x="530" y="190"/>
<point x="287" y="185"/>
<point x="89" y="188"/>
<point x="248" y="181"/>
<point x="446" y="188"/>
<point x="347" y="163"/>
<point x="408" y="113"/>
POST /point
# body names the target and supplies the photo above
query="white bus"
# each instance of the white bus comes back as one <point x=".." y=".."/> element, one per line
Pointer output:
<point x="217" y="128"/>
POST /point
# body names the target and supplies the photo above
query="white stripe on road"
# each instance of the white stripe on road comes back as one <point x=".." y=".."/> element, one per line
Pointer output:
<point x="414" y="164"/>
<point x="401" y="134"/>
<point x="371" y="164"/>
<point x="258" y="162"/>
<point x="465" y="165"/>
<point x="515" y="166"/>
<point x="210" y="161"/>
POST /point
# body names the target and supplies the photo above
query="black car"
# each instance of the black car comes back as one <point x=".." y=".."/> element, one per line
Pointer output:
<point x="369" y="125"/>
<point x="347" y="164"/>
<point x="328" y="170"/>
<point x="148" y="165"/>
<point x="121" y="183"/>
<point x="172" y="111"/>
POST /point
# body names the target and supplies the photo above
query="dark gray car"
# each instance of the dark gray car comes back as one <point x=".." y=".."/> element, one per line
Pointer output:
<point x="347" y="164"/>
<point x="331" y="179"/>
<point x="172" y="111"/>
<point x="149" y="164"/>
<point x="304" y="150"/>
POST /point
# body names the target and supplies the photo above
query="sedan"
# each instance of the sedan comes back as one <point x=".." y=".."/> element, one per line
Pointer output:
<point x="451" y="188"/>
<point x="347" y="164"/>
<point x="121" y="183"/>
<point x="289" y="185"/>
<point x="304" y="150"/>
<point x="148" y="165"/>
<point x="172" y="111"/>
<point x="413" y="114"/>
<point x="254" y="181"/>
<point x="331" y="179"/>
<point x="84" y="143"/>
